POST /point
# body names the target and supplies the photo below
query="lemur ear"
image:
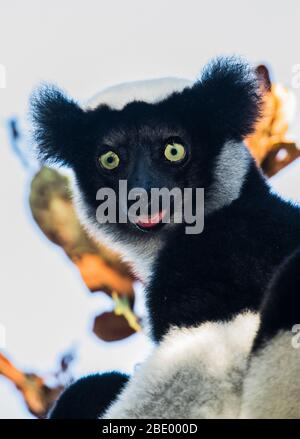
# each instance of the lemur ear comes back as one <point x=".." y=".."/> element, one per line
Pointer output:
<point x="230" y="98"/>
<point x="58" y="124"/>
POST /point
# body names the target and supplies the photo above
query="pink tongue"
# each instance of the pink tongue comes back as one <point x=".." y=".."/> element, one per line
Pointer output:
<point x="151" y="221"/>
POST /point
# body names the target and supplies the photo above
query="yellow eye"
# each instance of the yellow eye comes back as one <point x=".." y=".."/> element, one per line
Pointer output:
<point x="110" y="160"/>
<point x="174" y="152"/>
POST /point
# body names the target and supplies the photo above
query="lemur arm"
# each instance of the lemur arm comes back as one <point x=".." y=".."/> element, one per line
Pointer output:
<point x="194" y="373"/>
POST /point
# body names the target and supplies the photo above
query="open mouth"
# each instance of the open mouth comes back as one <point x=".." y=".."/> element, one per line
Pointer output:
<point x="152" y="222"/>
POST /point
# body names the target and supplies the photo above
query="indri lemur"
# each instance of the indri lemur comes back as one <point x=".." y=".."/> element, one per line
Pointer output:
<point x="125" y="133"/>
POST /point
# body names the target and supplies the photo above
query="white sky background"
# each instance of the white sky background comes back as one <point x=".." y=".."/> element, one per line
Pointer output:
<point x="84" y="46"/>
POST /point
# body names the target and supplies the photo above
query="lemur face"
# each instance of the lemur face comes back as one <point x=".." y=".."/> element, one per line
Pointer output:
<point x="171" y="140"/>
<point x="147" y="147"/>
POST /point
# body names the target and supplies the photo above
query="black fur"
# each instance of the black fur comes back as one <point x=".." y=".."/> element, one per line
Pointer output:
<point x="228" y="92"/>
<point x="57" y="122"/>
<point x="281" y="305"/>
<point x="89" y="397"/>
<point x="227" y="268"/>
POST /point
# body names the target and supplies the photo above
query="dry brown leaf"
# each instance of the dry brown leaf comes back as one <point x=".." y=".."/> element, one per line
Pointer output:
<point x="271" y="132"/>
<point x="110" y="327"/>
<point x="53" y="210"/>
<point x="98" y="275"/>
<point x="38" y="396"/>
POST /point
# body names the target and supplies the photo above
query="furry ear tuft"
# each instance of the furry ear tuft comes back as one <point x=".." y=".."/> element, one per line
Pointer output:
<point x="230" y="97"/>
<point x="57" y="123"/>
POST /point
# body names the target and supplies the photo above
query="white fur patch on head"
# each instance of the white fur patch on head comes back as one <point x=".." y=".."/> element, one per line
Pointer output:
<point x="150" y="91"/>
<point x="229" y="173"/>
<point x="272" y="384"/>
<point x="194" y="373"/>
